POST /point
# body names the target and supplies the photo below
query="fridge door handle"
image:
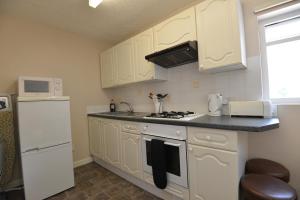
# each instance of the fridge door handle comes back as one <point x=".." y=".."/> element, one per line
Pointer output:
<point x="50" y="146"/>
<point x="32" y="149"/>
<point x="44" y="147"/>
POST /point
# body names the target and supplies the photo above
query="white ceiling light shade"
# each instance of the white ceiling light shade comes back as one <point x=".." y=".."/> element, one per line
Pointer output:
<point x="94" y="3"/>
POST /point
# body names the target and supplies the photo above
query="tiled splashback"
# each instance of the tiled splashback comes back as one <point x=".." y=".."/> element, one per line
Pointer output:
<point x="188" y="88"/>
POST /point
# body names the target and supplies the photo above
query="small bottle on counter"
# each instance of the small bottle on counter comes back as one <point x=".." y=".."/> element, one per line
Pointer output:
<point x="112" y="106"/>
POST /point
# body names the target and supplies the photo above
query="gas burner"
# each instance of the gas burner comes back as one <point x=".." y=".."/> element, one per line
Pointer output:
<point x="173" y="115"/>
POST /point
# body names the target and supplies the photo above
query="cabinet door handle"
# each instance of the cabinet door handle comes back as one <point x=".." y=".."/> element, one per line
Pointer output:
<point x="190" y="149"/>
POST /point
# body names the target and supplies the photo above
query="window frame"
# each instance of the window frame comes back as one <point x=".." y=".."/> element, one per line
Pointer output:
<point x="262" y="22"/>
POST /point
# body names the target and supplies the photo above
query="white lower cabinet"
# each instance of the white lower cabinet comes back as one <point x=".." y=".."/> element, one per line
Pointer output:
<point x="212" y="174"/>
<point x="96" y="137"/>
<point x="216" y="161"/>
<point x="216" y="158"/>
<point x="111" y="132"/>
<point x="131" y="154"/>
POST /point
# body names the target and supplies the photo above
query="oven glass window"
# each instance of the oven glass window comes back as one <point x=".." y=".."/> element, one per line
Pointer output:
<point x="172" y="156"/>
<point x="31" y="86"/>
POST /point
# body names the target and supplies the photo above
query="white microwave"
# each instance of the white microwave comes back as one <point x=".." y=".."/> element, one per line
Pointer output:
<point x="40" y="87"/>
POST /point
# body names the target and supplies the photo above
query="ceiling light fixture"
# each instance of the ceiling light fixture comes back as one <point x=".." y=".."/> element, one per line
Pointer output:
<point x="94" y="3"/>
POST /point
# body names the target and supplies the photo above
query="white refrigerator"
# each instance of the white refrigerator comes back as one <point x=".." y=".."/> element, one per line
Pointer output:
<point x="46" y="146"/>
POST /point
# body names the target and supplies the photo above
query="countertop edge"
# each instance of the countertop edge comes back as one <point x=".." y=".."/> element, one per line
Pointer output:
<point x="193" y="124"/>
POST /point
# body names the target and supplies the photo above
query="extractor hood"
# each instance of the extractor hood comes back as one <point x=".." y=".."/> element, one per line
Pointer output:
<point x="174" y="56"/>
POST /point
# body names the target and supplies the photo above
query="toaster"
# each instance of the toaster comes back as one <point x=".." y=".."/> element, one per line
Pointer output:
<point x="262" y="109"/>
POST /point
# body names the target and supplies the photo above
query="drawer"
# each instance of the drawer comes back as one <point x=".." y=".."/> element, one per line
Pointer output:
<point x="220" y="139"/>
<point x="130" y="127"/>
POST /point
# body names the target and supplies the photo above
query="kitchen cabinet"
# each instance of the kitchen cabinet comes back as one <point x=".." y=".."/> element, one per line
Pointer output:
<point x="108" y="78"/>
<point x="220" y="35"/>
<point x="111" y="132"/>
<point x="131" y="154"/>
<point x="96" y="137"/>
<point x="216" y="161"/>
<point x="175" y="30"/>
<point x="125" y="63"/>
<point x="212" y="173"/>
<point x="143" y="45"/>
<point x="145" y="70"/>
<point x="124" y="57"/>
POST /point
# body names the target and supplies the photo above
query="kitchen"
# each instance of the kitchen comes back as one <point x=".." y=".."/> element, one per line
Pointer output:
<point x="33" y="46"/>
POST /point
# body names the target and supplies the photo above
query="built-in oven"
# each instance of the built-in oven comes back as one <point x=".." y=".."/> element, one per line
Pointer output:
<point x="175" y="150"/>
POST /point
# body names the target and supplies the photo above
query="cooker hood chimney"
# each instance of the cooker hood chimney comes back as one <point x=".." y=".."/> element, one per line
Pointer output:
<point x="175" y="56"/>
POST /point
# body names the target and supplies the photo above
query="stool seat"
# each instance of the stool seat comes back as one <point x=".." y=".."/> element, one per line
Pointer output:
<point x="264" y="187"/>
<point x="267" y="167"/>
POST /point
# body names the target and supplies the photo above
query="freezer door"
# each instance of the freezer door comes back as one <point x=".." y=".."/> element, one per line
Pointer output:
<point x="43" y="124"/>
<point x="47" y="172"/>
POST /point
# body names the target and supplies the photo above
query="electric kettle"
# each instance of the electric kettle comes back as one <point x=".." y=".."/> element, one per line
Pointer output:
<point x="215" y="104"/>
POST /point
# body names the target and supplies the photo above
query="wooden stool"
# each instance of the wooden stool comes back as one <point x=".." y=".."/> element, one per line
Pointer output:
<point x="267" y="167"/>
<point x="264" y="187"/>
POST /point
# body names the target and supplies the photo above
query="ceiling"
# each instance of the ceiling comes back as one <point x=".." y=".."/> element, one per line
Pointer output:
<point x="111" y="22"/>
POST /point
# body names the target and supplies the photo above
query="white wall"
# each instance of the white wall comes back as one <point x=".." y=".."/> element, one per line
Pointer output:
<point x="33" y="49"/>
<point x="281" y="145"/>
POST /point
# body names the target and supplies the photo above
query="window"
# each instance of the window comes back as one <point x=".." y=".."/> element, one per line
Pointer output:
<point x="280" y="42"/>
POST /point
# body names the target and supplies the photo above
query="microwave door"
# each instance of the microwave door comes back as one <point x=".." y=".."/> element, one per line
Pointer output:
<point x="34" y="86"/>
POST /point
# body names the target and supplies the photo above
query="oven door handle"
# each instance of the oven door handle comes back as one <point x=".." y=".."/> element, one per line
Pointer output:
<point x="147" y="139"/>
<point x="166" y="143"/>
<point x="172" y="144"/>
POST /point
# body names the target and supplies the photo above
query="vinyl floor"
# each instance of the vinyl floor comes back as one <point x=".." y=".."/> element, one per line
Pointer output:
<point x="94" y="182"/>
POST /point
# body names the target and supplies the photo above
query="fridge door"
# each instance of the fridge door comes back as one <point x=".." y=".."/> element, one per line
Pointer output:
<point x="43" y="124"/>
<point x="48" y="171"/>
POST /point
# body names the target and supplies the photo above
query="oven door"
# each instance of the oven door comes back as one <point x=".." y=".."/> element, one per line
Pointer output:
<point x="176" y="159"/>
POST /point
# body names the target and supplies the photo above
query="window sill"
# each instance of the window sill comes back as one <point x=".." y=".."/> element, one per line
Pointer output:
<point x="287" y="101"/>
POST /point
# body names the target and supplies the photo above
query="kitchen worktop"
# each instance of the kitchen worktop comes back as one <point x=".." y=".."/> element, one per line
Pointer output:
<point x="222" y="122"/>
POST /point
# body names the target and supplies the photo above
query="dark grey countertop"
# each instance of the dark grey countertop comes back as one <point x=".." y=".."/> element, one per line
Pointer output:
<point x="223" y="122"/>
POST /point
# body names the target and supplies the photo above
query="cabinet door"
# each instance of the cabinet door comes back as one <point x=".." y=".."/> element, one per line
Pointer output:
<point x="96" y="137"/>
<point x="111" y="130"/>
<point x="219" y="26"/>
<point x="107" y="69"/>
<point x="175" y="30"/>
<point x="143" y="46"/>
<point x="131" y="154"/>
<point x="124" y="55"/>
<point x="213" y="174"/>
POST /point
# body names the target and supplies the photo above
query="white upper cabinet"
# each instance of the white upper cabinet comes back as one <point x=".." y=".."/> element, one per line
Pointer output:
<point x="220" y="33"/>
<point x="143" y="45"/>
<point x="175" y="30"/>
<point x="124" y="57"/>
<point x="108" y="68"/>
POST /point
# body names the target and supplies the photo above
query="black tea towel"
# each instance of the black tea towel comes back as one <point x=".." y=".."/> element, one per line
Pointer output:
<point x="159" y="165"/>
